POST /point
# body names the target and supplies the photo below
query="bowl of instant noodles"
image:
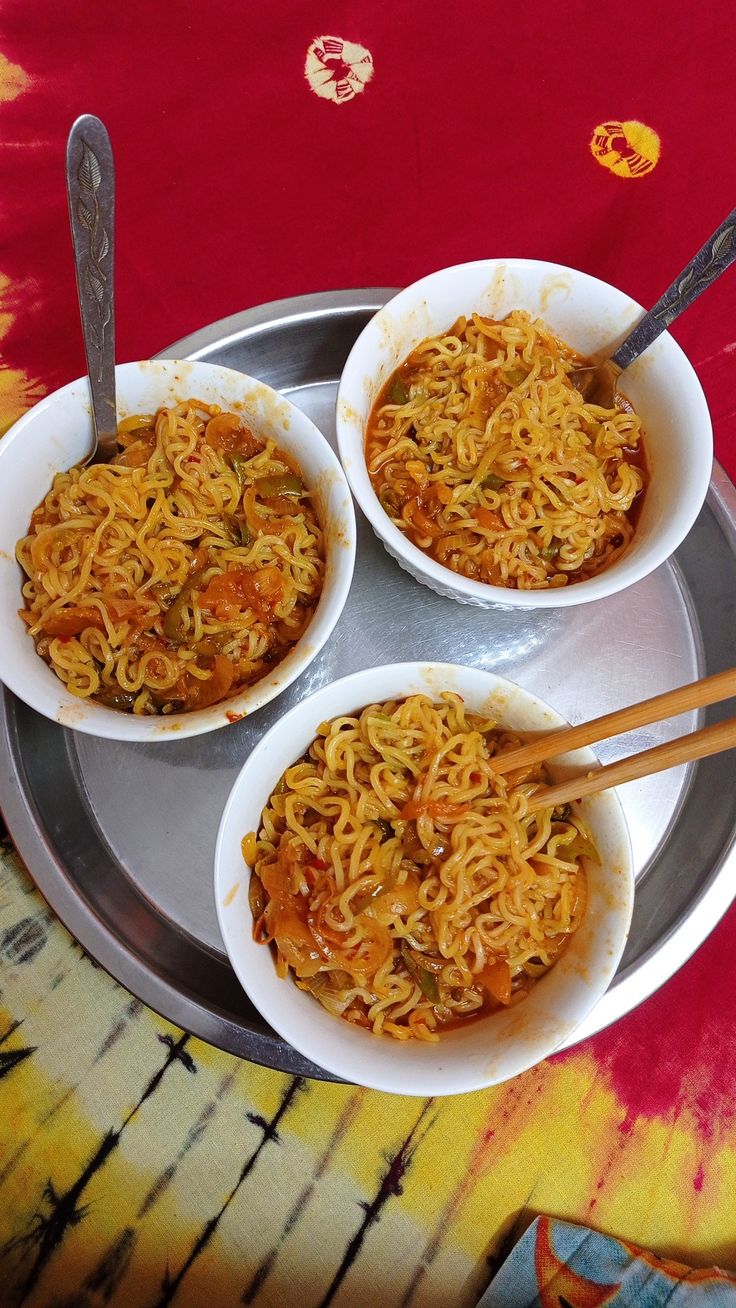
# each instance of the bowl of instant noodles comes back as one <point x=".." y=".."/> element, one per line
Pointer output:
<point x="185" y="583"/>
<point x="478" y="461"/>
<point x="402" y="909"/>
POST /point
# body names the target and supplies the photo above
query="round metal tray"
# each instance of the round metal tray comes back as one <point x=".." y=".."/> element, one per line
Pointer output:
<point x="120" y="837"/>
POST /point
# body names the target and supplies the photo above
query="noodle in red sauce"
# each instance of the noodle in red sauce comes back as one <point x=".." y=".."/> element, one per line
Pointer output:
<point x="402" y="881"/>
<point x="180" y="572"/>
<point x="482" y="452"/>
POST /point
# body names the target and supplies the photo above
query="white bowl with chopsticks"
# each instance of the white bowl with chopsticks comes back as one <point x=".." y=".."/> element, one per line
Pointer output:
<point x="493" y="1048"/>
<point x="587" y="314"/>
<point x="57" y="433"/>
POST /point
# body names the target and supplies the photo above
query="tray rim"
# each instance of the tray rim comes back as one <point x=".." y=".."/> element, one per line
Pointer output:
<point x="182" y="1006"/>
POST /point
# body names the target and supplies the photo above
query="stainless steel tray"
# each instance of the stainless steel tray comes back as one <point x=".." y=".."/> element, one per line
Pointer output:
<point x="120" y="837"/>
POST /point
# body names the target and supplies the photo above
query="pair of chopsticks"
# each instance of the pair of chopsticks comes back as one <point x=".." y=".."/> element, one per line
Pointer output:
<point x="699" y="744"/>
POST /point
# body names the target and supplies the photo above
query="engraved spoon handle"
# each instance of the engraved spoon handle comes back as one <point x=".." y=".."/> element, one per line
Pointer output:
<point x="90" y="183"/>
<point x="718" y="252"/>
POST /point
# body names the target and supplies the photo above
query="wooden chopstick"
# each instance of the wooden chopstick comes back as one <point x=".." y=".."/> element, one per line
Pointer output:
<point x="700" y="744"/>
<point x="697" y="694"/>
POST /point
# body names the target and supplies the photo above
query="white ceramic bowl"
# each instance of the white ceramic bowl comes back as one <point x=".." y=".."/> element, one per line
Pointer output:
<point x="485" y="1052"/>
<point x="57" y="433"/>
<point x="589" y="315"/>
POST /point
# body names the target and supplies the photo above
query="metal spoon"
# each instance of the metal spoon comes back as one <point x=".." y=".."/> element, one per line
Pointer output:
<point x="90" y="184"/>
<point x="598" y="382"/>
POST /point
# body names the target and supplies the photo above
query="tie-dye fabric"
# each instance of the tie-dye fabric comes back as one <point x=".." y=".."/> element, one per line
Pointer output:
<point x="266" y="151"/>
<point x="558" y="1265"/>
<point x="140" y="1167"/>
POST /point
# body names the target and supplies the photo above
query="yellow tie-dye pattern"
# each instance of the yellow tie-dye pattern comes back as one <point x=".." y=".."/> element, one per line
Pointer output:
<point x="628" y="149"/>
<point x="17" y="394"/>
<point x="292" y="1198"/>
<point x="17" y="391"/>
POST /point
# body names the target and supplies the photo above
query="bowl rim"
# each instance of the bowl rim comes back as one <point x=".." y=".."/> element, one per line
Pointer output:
<point x="451" y="1081"/>
<point x="625" y="572"/>
<point x="90" y="718"/>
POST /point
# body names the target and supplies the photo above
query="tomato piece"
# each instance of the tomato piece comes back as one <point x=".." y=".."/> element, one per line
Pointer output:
<point x="441" y="492"/>
<point x="423" y="523"/>
<point x="239" y="588"/>
<point x="496" y="979"/>
<point x="489" y="519"/>
<point x="190" y="692"/>
<point x="72" y="621"/>
<point x="227" y="434"/>
<point x="227" y="594"/>
<point x="75" y="619"/>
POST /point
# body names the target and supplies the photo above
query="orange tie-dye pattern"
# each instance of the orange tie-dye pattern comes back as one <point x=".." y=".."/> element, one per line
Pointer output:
<point x="13" y="80"/>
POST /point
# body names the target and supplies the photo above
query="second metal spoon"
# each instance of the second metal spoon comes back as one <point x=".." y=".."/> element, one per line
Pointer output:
<point x="598" y="382"/>
<point x="90" y="183"/>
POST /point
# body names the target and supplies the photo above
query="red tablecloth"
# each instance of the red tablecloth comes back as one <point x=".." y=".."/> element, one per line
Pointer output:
<point x="237" y="184"/>
<point x="599" y="137"/>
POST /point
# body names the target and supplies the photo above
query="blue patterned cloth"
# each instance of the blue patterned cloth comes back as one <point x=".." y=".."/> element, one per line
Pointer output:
<point x="558" y="1265"/>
